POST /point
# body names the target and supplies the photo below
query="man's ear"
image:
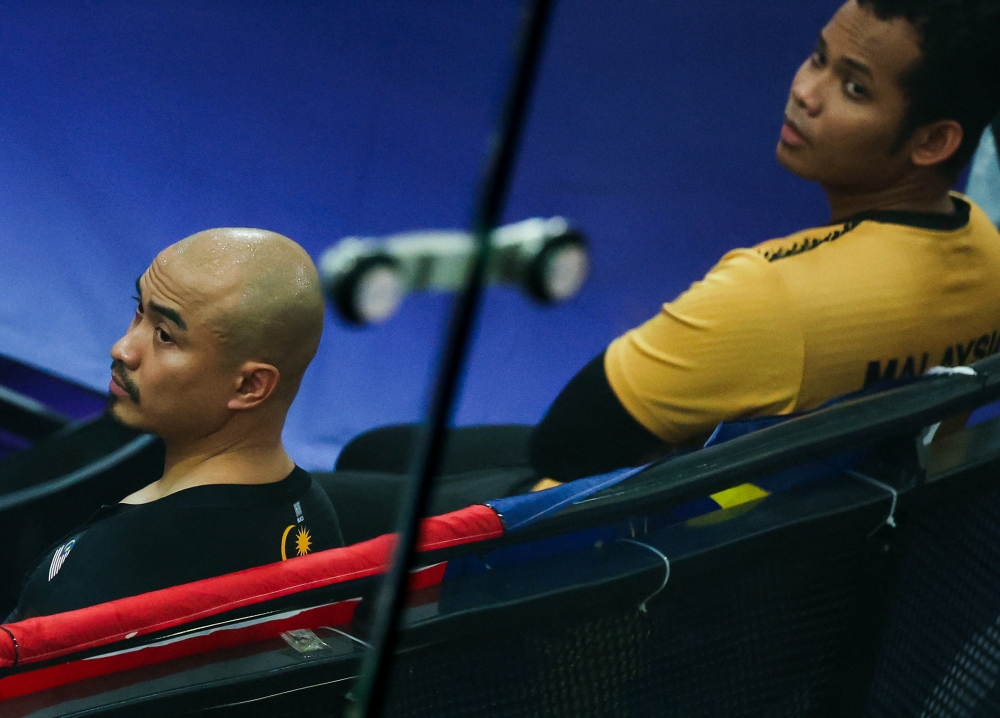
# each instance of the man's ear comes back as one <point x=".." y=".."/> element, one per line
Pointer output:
<point x="256" y="381"/>
<point x="934" y="143"/>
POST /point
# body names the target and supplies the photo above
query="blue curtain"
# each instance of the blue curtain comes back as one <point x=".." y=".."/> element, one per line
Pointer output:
<point x="126" y="126"/>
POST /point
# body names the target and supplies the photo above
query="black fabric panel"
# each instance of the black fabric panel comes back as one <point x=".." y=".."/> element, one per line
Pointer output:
<point x="587" y="431"/>
<point x="938" y="655"/>
<point x="736" y="634"/>
<point x="389" y="449"/>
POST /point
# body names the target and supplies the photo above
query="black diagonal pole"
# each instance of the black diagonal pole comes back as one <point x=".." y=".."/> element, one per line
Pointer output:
<point x="370" y="689"/>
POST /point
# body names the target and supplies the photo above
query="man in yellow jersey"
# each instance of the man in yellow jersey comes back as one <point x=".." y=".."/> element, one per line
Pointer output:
<point x="883" y="114"/>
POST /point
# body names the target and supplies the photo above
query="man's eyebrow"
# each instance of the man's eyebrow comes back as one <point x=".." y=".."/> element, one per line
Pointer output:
<point x="167" y="312"/>
<point x="858" y="66"/>
<point x="855" y="65"/>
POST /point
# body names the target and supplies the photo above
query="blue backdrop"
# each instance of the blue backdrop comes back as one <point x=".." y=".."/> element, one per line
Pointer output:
<point x="125" y="126"/>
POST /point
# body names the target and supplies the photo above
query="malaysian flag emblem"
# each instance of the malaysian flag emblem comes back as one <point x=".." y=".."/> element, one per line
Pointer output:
<point x="59" y="558"/>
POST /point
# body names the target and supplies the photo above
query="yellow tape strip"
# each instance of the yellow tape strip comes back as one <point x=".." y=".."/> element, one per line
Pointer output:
<point x="739" y="495"/>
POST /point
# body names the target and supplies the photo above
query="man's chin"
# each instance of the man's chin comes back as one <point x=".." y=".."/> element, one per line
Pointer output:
<point x="123" y="412"/>
<point x="794" y="163"/>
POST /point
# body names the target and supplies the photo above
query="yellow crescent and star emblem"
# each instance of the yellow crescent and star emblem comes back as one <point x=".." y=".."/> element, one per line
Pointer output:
<point x="302" y="542"/>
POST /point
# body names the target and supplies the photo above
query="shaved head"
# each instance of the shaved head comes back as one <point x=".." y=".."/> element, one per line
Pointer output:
<point x="262" y="295"/>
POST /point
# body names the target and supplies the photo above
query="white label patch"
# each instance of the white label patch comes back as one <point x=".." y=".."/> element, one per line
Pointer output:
<point x="59" y="558"/>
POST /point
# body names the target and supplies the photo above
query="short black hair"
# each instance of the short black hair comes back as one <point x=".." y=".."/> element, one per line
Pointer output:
<point x="958" y="74"/>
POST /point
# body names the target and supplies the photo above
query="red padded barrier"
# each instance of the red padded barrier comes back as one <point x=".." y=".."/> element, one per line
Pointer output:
<point x="468" y="525"/>
<point x="249" y="631"/>
<point x="49" y="637"/>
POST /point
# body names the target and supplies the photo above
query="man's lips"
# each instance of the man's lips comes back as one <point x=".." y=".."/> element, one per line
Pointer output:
<point x="117" y="389"/>
<point x="121" y="386"/>
<point x="792" y="135"/>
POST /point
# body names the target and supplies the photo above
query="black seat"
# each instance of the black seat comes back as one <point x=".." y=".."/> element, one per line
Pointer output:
<point x="57" y="484"/>
<point x="390" y="448"/>
<point x="25" y="417"/>
<point x="372" y="472"/>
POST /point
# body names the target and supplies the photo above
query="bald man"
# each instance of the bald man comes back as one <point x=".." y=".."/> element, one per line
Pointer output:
<point x="227" y="322"/>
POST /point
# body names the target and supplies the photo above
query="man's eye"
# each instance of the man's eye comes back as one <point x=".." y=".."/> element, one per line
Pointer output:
<point x="138" y="305"/>
<point x="817" y="58"/>
<point x="162" y="335"/>
<point x="854" y="89"/>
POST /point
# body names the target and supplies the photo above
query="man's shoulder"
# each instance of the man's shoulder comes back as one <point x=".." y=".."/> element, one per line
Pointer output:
<point x="803" y="241"/>
<point x="239" y="510"/>
<point x="968" y="223"/>
<point x="196" y="533"/>
<point x="739" y="272"/>
<point x="237" y="495"/>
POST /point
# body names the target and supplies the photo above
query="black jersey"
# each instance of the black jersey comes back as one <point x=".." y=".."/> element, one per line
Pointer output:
<point x="196" y="533"/>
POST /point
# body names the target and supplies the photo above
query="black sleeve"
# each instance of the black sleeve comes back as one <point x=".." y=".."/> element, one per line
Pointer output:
<point x="587" y="431"/>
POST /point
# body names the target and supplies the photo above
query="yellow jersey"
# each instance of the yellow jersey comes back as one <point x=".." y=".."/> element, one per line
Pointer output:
<point x="793" y="322"/>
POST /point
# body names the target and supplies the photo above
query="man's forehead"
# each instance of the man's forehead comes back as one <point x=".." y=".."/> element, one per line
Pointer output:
<point x="887" y="47"/>
<point x="171" y="281"/>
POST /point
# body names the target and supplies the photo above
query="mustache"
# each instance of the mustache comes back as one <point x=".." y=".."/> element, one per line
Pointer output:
<point x="120" y="376"/>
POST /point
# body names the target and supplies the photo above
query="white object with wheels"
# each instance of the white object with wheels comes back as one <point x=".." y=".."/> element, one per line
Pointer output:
<point x="367" y="278"/>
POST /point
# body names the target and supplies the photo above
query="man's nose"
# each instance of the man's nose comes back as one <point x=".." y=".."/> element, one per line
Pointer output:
<point x="124" y="350"/>
<point x="807" y="91"/>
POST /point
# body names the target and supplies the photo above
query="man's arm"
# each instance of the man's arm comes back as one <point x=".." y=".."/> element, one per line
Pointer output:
<point x="730" y="346"/>
<point x="587" y="431"/>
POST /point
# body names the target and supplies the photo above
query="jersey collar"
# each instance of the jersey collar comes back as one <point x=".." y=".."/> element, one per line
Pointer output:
<point x="922" y="220"/>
